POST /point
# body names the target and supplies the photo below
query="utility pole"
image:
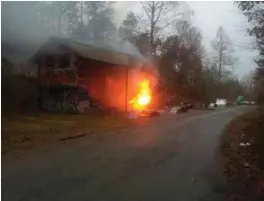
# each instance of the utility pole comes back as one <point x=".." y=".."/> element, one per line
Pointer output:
<point x="126" y="90"/>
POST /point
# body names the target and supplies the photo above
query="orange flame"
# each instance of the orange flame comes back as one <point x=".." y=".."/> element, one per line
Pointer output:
<point x="143" y="97"/>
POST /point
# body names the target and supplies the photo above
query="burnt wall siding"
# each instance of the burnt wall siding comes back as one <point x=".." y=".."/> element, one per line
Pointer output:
<point x="104" y="82"/>
<point x="53" y="70"/>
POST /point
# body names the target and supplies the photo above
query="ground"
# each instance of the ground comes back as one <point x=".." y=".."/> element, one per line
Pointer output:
<point x="243" y="155"/>
<point x="171" y="157"/>
<point x="30" y="130"/>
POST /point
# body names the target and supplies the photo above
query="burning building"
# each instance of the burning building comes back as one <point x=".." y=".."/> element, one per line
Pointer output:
<point x="75" y="77"/>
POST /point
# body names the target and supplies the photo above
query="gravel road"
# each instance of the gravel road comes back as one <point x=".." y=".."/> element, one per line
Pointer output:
<point x="172" y="157"/>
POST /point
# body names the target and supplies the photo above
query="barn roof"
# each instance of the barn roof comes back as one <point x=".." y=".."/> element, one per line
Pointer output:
<point x="94" y="51"/>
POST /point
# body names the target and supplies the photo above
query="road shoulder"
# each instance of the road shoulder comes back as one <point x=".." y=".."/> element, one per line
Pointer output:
<point x="242" y="156"/>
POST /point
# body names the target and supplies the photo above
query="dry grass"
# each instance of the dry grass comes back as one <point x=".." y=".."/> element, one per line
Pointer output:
<point x="243" y="165"/>
<point x="18" y="130"/>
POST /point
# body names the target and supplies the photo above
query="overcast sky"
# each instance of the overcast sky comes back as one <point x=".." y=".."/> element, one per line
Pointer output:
<point x="208" y="17"/>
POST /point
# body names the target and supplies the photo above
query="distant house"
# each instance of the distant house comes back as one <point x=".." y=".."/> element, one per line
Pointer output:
<point x="73" y="76"/>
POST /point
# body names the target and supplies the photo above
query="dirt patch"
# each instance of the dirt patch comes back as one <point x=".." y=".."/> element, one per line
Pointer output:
<point x="243" y="156"/>
<point x="23" y="131"/>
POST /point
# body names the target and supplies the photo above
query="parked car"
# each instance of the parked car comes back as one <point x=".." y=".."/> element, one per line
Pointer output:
<point x="221" y="101"/>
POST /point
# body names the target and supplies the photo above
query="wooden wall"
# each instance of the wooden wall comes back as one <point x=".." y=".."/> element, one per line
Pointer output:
<point x="102" y="81"/>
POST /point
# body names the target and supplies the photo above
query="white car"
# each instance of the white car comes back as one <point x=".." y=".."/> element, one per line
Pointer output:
<point x="220" y="102"/>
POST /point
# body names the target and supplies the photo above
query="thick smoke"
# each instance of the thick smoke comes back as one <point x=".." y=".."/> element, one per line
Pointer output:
<point x="24" y="32"/>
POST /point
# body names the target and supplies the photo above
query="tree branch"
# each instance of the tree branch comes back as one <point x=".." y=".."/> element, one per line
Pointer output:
<point x="145" y="9"/>
<point x="159" y="13"/>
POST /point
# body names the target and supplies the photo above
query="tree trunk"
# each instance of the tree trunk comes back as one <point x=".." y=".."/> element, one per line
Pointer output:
<point x="220" y="59"/>
<point x="59" y="25"/>
<point x="151" y="51"/>
<point x="81" y="10"/>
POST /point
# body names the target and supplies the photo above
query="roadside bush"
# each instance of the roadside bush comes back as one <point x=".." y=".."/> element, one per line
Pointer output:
<point x="19" y="93"/>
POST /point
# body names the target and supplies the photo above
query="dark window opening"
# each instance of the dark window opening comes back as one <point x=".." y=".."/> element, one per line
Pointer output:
<point x="64" y="61"/>
<point x="50" y="61"/>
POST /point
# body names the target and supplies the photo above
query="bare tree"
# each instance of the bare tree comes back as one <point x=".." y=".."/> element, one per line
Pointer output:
<point x="254" y="11"/>
<point x="156" y="16"/>
<point x="223" y="51"/>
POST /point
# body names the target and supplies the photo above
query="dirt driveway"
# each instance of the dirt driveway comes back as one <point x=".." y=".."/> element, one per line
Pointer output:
<point x="173" y="157"/>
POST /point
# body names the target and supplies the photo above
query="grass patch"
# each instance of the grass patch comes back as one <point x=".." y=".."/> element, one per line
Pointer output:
<point x="243" y="154"/>
<point x="19" y="130"/>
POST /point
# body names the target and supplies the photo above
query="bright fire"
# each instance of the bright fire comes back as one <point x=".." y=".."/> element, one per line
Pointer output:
<point x="143" y="97"/>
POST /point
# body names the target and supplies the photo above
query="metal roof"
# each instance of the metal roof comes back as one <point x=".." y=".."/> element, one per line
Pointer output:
<point x="91" y="51"/>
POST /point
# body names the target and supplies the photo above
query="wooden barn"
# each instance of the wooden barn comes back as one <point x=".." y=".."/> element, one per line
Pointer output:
<point x="75" y="77"/>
